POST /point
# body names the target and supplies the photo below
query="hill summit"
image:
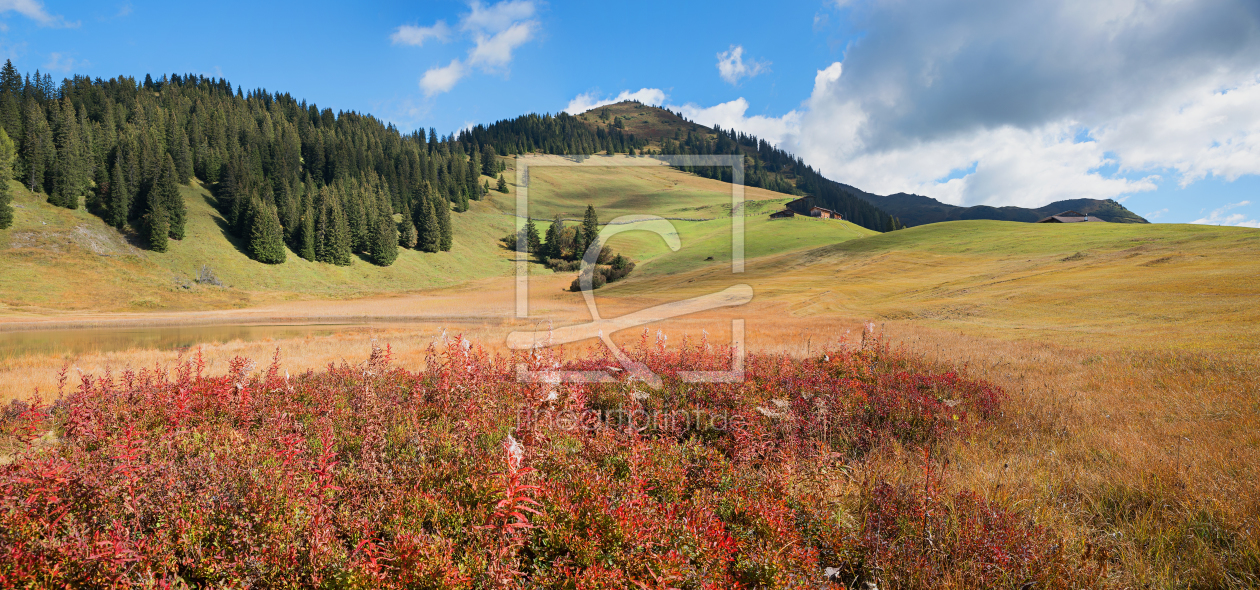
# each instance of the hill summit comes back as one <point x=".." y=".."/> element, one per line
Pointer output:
<point x="664" y="131"/>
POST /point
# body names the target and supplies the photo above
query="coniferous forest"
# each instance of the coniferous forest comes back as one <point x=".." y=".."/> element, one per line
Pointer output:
<point x="283" y="172"/>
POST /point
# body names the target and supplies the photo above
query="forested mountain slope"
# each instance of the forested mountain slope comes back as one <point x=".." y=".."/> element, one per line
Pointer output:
<point x="915" y="210"/>
<point x="283" y="172"/>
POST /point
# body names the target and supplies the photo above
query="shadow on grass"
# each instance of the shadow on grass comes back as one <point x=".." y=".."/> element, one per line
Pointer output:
<point x="222" y="222"/>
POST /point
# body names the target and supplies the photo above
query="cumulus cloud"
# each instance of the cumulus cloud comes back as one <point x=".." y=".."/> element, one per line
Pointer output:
<point x="413" y="35"/>
<point x="495" y="30"/>
<point x="731" y="115"/>
<point x="732" y="68"/>
<point x="496" y="50"/>
<point x="1022" y="103"/>
<point x="1222" y="216"/>
<point x="588" y="101"/>
<point x="443" y="79"/>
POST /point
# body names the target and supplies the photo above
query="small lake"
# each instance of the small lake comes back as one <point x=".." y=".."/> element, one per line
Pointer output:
<point x="78" y="341"/>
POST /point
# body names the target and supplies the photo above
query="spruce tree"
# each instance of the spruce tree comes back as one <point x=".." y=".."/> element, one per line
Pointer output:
<point x="157" y="225"/>
<point x="502" y="184"/>
<point x="531" y="236"/>
<point x="338" y="236"/>
<point x="266" y="239"/>
<point x="168" y="193"/>
<point x="443" y="211"/>
<point x="36" y="145"/>
<point x="407" y="232"/>
<point x="118" y="200"/>
<point x="306" y="235"/>
<point x="589" y="232"/>
<point x="551" y="244"/>
<point x="10" y="100"/>
<point x="428" y="235"/>
<point x="70" y="168"/>
<point x="384" y="241"/>
<point x="304" y="238"/>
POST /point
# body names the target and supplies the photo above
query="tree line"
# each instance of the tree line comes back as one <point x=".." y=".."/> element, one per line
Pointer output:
<point x="284" y="173"/>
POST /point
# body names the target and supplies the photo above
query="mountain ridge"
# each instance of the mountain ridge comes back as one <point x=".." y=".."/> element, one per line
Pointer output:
<point x="654" y="126"/>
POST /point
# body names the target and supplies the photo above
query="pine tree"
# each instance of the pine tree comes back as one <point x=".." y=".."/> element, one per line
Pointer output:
<point x="429" y="236"/>
<point x="589" y="232"/>
<point x="36" y="145"/>
<point x="338" y="236"/>
<point x="266" y="238"/>
<point x="157" y="225"/>
<point x="168" y="193"/>
<point x="551" y="244"/>
<point x="443" y="214"/>
<point x="10" y="100"/>
<point x="384" y="241"/>
<point x="407" y="232"/>
<point x="306" y="235"/>
<point x="118" y="201"/>
<point x="531" y="236"/>
<point x="502" y="184"/>
<point x="70" y="169"/>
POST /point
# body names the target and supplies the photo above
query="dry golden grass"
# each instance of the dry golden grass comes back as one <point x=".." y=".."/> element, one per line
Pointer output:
<point x="1134" y="418"/>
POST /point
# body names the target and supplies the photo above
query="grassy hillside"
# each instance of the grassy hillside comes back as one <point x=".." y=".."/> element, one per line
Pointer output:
<point x="56" y="258"/>
<point x="1149" y="285"/>
<point x="61" y="259"/>
<point x="699" y="208"/>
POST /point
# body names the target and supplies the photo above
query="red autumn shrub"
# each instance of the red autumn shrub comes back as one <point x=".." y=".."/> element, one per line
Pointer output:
<point x="462" y="476"/>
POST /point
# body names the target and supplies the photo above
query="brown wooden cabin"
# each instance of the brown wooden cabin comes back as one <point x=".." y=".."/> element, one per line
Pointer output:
<point x="805" y="206"/>
<point x="824" y="213"/>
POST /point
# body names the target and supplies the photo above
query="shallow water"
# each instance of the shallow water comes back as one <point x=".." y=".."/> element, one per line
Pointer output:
<point x="96" y="340"/>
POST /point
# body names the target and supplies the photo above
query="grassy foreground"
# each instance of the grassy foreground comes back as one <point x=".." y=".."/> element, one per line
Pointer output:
<point x="459" y="476"/>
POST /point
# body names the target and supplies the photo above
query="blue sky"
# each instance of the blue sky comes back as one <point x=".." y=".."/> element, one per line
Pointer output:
<point x="969" y="102"/>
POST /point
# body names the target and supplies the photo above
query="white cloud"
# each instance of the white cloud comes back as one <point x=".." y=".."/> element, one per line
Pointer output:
<point x="1024" y="103"/>
<point x="497" y="17"/>
<point x="732" y="68"/>
<point x="1155" y="214"/>
<point x="443" y="79"/>
<point x="496" y="50"/>
<point x="34" y="10"/>
<point x="588" y="101"/>
<point x="413" y="35"/>
<point x="495" y="30"/>
<point x="58" y="62"/>
<point x="730" y="115"/>
<point x="1222" y="216"/>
